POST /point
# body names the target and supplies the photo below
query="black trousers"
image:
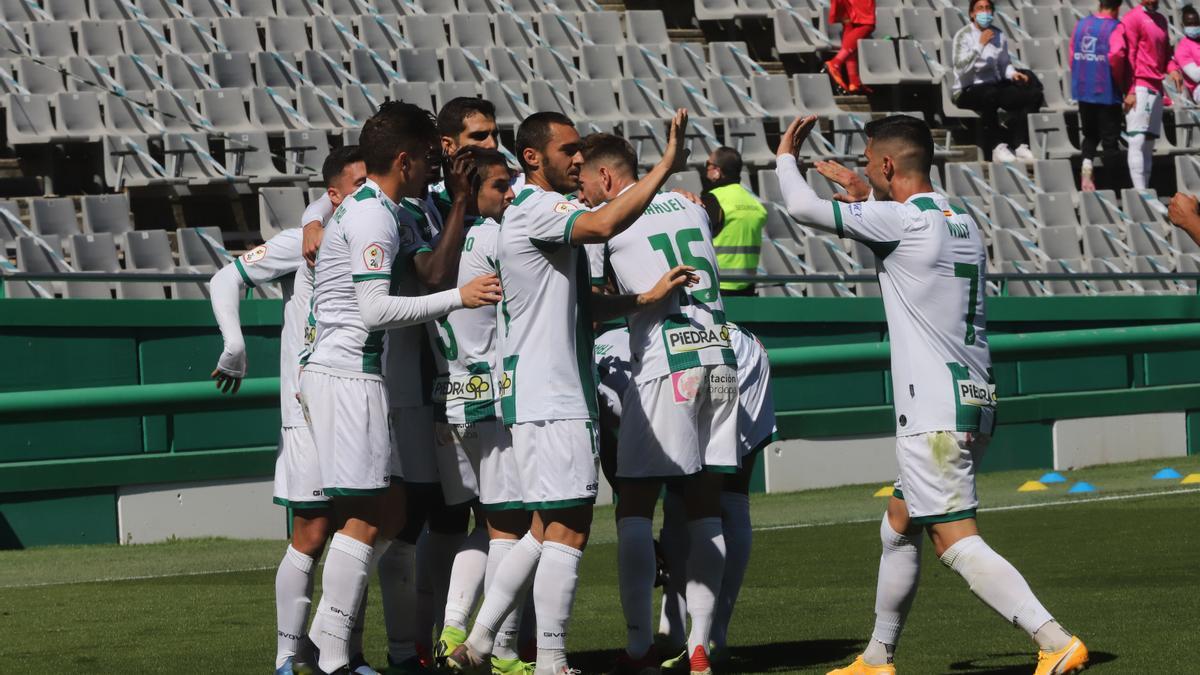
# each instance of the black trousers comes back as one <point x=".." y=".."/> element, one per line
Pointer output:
<point x="1100" y="124"/>
<point x="989" y="99"/>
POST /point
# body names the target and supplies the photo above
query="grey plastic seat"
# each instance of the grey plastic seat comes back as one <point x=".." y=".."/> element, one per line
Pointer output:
<point x="445" y="91"/>
<point x="553" y="65"/>
<point x="1061" y="241"/>
<point x="1054" y="175"/>
<point x="327" y="38"/>
<point x="795" y="34"/>
<point x="185" y="161"/>
<point x="878" y="63"/>
<point x="1105" y="241"/>
<point x="968" y="179"/>
<point x="51" y="39"/>
<point x="426" y="32"/>
<point x="552" y="95"/>
<point x="225" y="109"/>
<point x="177" y="110"/>
<point x="345" y="7"/>
<point x="642" y="100"/>
<point x="357" y="102"/>
<point x="919" y="23"/>
<point x="417" y="93"/>
<point x="511" y="108"/>
<point x="814" y="95"/>
<point x="193" y="37"/>
<point x="849" y="134"/>
<point x="716" y="10"/>
<point x="33" y="257"/>
<point x="648" y="139"/>
<point x="79" y="118"/>
<point x="1055" y="208"/>
<point x="301" y="9"/>
<point x="328" y="73"/>
<point x="304" y="152"/>
<point x="465" y="65"/>
<point x="1048" y="136"/>
<point x="269" y="114"/>
<point x="471" y="30"/>
<point x="599" y="62"/>
<point x="646" y="27"/>
<point x="139" y="41"/>
<point x="1041" y="22"/>
<point x="603" y="28"/>
<point x="279" y="208"/>
<point x="1159" y="264"/>
<point x="514" y="31"/>
<point x="28" y="119"/>
<point x="271" y="73"/>
<point x="287" y="35"/>
<point x="55" y="215"/>
<point x="200" y="246"/>
<point x="8" y="233"/>
<point x="418" y="65"/>
<point x="1040" y="55"/>
<point x="702" y="140"/>
<point x="156" y="9"/>
<point x="746" y="135"/>
<point x="681" y="93"/>
<point x="597" y="101"/>
<point x="39" y="79"/>
<point x="106" y="214"/>
<point x="232" y="70"/>
<point x="147" y="251"/>
<point x="238" y="34"/>
<point x="66" y="10"/>
<point x="733" y="99"/>
<point x="645" y="62"/>
<point x="180" y="75"/>
<point x="106" y="10"/>
<point x="92" y="253"/>
<point x="323" y="112"/>
<point x="560" y="31"/>
<point x="684" y="180"/>
<point x="378" y="34"/>
<point x="128" y="163"/>
<point x="1147" y="239"/>
<point x="732" y="58"/>
<point x="133" y="78"/>
<point x="1143" y="205"/>
<point x="1016" y="245"/>
<point x="510" y="65"/>
<point x="437" y="6"/>
<point x="688" y="60"/>
<point x="1023" y="288"/>
<point x="208" y="9"/>
<point x="102" y="38"/>
<point x="1100" y="208"/>
<point x="1114" y="266"/>
<point x="917" y="64"/>
<point x="774" y="94"/>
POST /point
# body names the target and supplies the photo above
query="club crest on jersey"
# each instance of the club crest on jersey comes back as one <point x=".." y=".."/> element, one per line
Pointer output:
<point x="971" y="393"/>
<point x="373" y="257"/>
<point x="685" y="339"/>
<point x="566" y="207"/>
<point x="253" y="256"/>
<point x="685" y="385"/>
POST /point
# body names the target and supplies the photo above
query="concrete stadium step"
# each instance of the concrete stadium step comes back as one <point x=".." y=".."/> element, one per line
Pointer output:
<point x="686" y="35"/>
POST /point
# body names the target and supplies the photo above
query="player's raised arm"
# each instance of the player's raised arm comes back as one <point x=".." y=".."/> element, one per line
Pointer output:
<point x="225" y="291"/>
<point x="313" y="221"/>
<point x="381" y="311"/>
<point x="439" y="268"/>
<point x="614" y="217"/>
<point x="801" y="201"/>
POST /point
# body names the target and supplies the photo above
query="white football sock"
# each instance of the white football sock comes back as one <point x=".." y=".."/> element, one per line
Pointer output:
<point x="293" y="598"/>
<point x="705" y="567"/>
<point x="506" y="590"/>
<point x="505" y="646"/>
<point x="1000" y="586"/>
<point x="342" y="583"/>
<point x="1141" y="159"/>
<point x="735" y="524"/>
<point x="635" y="574"/>
<point x="398" y="591"/>
<point x="553" y="595"/>
<point x="895" y="588"/>
<point x="673" y="539"/>
<point x="466" y="578"/>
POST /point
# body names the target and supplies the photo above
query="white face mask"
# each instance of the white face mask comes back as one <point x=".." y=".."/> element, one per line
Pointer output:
<point x="984" y="19"/>
<point x="1192" y="31"/>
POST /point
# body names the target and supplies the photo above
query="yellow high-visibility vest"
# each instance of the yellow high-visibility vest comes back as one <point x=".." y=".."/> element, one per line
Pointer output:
<point x="740" y="239"/>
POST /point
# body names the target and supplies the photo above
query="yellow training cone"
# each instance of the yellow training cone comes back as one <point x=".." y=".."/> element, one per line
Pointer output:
<point x="886" y="490"/>
<point x="1191" y="478"/>
<point x="1031" y="486"/>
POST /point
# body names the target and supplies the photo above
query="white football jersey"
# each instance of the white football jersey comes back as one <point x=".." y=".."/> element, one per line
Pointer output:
<point x="368" y="237"/>
<point x="280" y="257"/>
<point x="545" y="324"/>
<point x="465" y="339"/>
<point x="688" y="329"/>
<point x="408" y="360"/>
<point x="597" y="256"/>
<point x="613" y="367"/>
<point x="931" y="261"/>
<point x="756" y="404"/>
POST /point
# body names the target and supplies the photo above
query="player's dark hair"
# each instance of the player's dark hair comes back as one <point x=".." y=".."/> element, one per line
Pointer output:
<point x="534" y="132"/>
<point x="1116" y="4"/>
<point x="452" y="117"/>
<point x="910" y="131"/>
<point x="337" y="160"/>
<point x="1188" y="10"/>
<point x="397" y="127"/>
<point x="971" y="4"/>
<point x="486" y="158"/>
<point x="610" y="149"/>
<point x="729" y="161"/>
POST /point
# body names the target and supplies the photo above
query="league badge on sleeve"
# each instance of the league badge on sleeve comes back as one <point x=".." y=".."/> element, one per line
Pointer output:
<point x="373" y="257"/>
<point x="566" y="207"/>
<point x="252" y="256"/>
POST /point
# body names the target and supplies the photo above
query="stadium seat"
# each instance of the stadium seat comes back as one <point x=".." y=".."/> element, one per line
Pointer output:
<point x="208" y="9"/>
<point x="279" y="208"/>
<point x="510" y="65"/>
<point x="1105" y="241"/>
<point x="560" y="32"/>
<point x="129" y="163"/>
<point x="33" y="256"/>
<point x="296" y="9"/>
<point x="647" y="138"/>
<point x="418" y="65"/>
<point x="28" y="119"/>
<point x="92" y="253"/>
<point x="878" y="64"/>
<point x="232" y="70"/>
<point x="79" y="118"/>
<point x="106" y="214"/>
<point x="681" y="93"/>
<point x="248" y="155"/>
<point x="201" y="247"/>
<point x="239" y="34"/>
<point x="148" y="251"/>
<point x="443" y="92"/>
<point x="549" y="64"/>
<point x="642" y="101"/>
<point x="67" y="11"/>
<point x="138" y="38"/>
<point x="684" y="180"/>
<point x="53" y="216"/>
<point x="1055" y="208"/>
<point x="328" y="39"/>
<point x="287" y="35"/>
<point x="1100" y="208"/>
<point x="597" y="101"/>
<point x="510" y="105"/>
<point x="1041" y="22"/>
<point x="156" y="9"/>
<point x="177" y="110"/>
<point x="107" y="10"/>
<point x="716" y="10"/>
<point x="1187" y="173"/>
<point x="40" y="79"/>
<point x="814" y="95"/>
<point x="8" y="232"/>
<point x="747" y="136"/>
<point x="1048" y="136"/>
<point x="102" y="39"/>
<point x="273" y="114"/>
<point x="514" y="31"/>
<point x="1040" y="55"/>
<point x="463" y="64"/>
<point x="646" y="27"/>
<point x="471" y="30"/>
<point x="51" y="39"/>
<point x="189" y="158"/>
<point x="1114" y="266"/>
<point x="269" y="72"/>
<point x="602" y="28"/>
<point x="445" y="7"/>
<point x="381" y="36"/>
<point x="191" y="36"/>
<point x="918" y="65"/>
<point x="225" y="109"/>
<point x="732" y="58"/>
<point x="1061" y="241"/>
<point x="305" y="152"/>
<point x="827" y="257"/>
<point x="1023" y="288"/>
<point x="426" y="31"/>
<point x="688" y="61"/>
<point x="328" y="73"/>
<point x="795" y="33"/>
<point x="417" y="93"/>
<point x="1143" y="206"/>
<point x="599" y="62"/>
<point x="646" y="63"/>
<point x="1054" y="175"/>
<point x="322" y="111"/>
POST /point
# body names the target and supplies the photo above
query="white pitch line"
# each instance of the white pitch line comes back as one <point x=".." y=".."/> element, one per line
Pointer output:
<point x="768" y="528"/>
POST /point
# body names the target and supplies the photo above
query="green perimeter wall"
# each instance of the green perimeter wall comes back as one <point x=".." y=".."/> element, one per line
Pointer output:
<point x="58" y="480"/>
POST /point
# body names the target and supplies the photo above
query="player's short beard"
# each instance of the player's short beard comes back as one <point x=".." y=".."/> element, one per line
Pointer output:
<point x="562" y="181"/>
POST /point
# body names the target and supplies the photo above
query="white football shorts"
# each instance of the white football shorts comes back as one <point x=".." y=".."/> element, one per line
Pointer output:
<point x="557" y="460"/>
<point x="348" y="416"/>
<point x="476" y="460"/>
<point x="298" y="471"/>
<point x="1147" y="113"/>
<point x="937" y="475"/>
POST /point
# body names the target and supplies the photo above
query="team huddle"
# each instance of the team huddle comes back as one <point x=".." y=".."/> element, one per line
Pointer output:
<point x="449" y="356"/>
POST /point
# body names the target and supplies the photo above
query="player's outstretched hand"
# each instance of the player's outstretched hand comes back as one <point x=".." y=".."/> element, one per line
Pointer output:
<point x="676" y="153"/>
<point x="793" y="139"/>
<point x="460" y="173"/>
<point x="1184" y="210"/>
<point x="313" y="233"/>
<point x="676" y="277"/>
<point x="480" y="291"/>
<point x="228" y="384"/>
<point x="856" y="189"/>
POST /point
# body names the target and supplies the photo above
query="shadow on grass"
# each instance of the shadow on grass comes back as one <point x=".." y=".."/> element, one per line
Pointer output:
<point x="984" y="665"/>
<point x="780" y="656"/>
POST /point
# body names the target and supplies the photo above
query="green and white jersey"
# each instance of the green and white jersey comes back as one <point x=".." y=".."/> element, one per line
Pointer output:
<point x="931" y="261"/>
<point x="613" y="367"/>
<point x="280" y="258"/>
<point x="465" y="340"/>
<point x="545" y="324"/>
<point x="688" y="329"/>
<point x="369" y="237"/>
<point x="408" y="360"/>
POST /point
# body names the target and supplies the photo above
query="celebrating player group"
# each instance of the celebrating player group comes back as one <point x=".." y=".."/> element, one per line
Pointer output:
<point x="461" y="357"/>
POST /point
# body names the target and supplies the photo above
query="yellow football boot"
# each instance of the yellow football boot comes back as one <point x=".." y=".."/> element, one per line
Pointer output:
<point x="1070" y="659"/>
<point x="860" y="667"/>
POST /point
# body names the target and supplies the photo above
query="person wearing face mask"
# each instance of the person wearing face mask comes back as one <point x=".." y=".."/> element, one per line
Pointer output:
<point x="1187" y="53"/>
<point x="1139" y="54"/>
<point x="1093" y="87"/>
<point x="986" y="81"/>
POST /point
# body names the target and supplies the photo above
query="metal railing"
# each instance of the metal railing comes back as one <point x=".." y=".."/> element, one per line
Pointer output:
<point x="1004" y="279"/>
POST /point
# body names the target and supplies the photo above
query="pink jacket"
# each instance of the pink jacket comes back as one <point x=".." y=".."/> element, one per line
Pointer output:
<point x="1139" y="50"/>
<point x="1187" y="53"/>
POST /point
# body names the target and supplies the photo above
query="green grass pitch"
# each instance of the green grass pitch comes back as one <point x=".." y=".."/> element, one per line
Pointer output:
<point x="1121" y="570"/>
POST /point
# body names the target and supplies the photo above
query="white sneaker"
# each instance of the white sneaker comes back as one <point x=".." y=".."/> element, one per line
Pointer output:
<point x="1024" y="154"/>
<point x="1003" y="154"/>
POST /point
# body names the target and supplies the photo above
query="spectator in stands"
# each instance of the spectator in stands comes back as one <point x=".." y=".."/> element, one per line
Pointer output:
<point x="858" y="23"/>
<point x="1184" y="212"/>
<point x="1187" y="53"/>
<point x="736" y="216"/>
<point x="1093" y="87"/>
<point x="1139" y="55"/>
<point x="986" y="81"/>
